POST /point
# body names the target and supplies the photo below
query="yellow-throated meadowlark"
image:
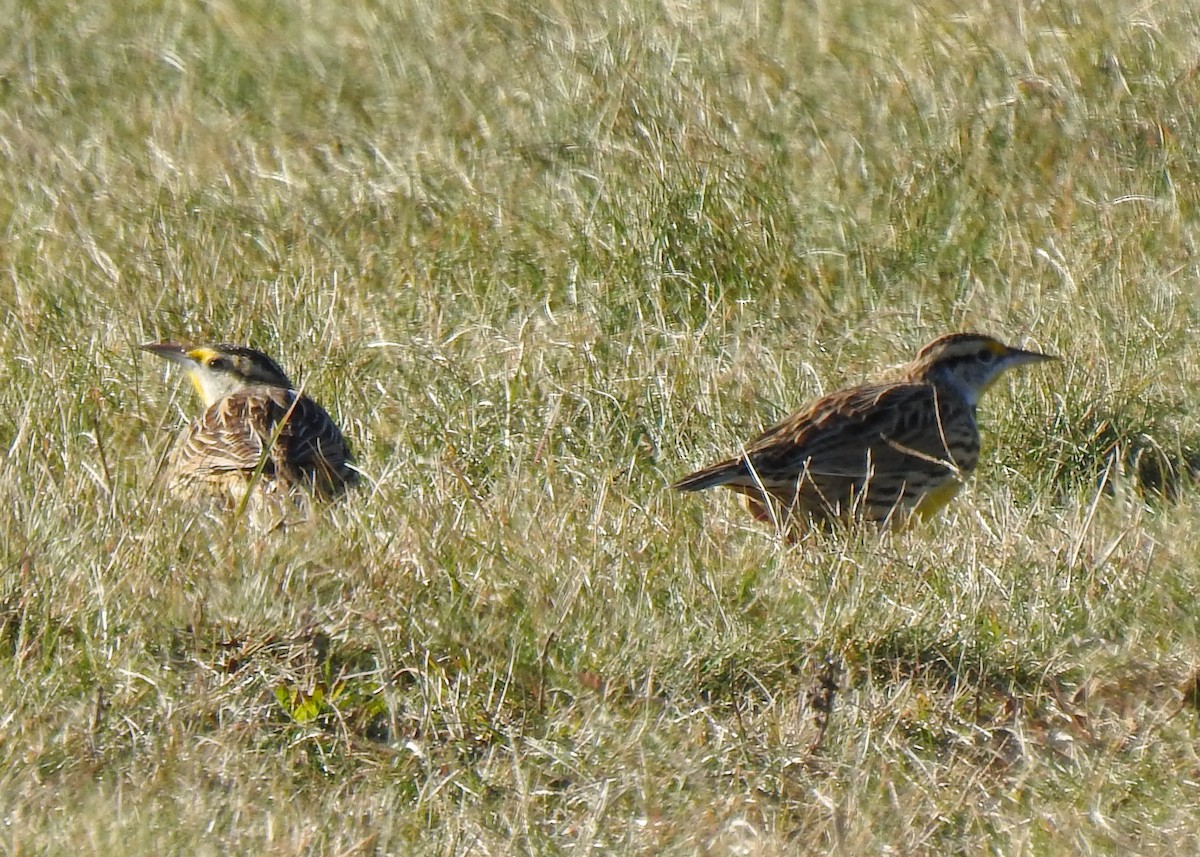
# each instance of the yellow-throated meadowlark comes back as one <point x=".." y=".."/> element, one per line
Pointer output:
<point x="876" y="452"/>
<point x="253" y="418"/>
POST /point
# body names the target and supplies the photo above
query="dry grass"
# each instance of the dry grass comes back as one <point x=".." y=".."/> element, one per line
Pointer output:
<point x="539" y="261"/>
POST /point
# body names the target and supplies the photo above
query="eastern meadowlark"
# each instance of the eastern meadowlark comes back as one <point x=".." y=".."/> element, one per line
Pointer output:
<point x="878" y="452"/>
<point x="254" y="422"/>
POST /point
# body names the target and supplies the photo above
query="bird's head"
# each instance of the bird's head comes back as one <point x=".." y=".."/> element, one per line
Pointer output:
<point x="969" y="362"/>
<point x="218" y="370"/>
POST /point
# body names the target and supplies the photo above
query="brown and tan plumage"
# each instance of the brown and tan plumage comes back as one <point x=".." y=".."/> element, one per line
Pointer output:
<point x="875" y="451"/>
<point x="254" y="418"/>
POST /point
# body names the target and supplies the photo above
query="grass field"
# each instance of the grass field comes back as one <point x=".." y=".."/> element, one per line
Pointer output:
<point x="539" y="260"/>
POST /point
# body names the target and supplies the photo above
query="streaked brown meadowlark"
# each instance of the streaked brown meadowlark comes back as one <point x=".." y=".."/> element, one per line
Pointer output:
<point x="878" y="452"/>
<point x="254" y="422"/>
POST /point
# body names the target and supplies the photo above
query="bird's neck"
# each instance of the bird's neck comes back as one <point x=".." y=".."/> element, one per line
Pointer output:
<point x="949" y="382"/>
<point x="212" y="388"/>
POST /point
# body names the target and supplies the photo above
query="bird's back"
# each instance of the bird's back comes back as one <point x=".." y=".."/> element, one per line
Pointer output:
<point x="869" y="448"/>
<point x="231" y="439"/>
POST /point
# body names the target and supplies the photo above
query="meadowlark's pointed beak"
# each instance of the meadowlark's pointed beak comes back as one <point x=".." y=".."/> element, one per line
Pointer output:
<point x="1021" y="357"/>
<point x="172" y="351"/>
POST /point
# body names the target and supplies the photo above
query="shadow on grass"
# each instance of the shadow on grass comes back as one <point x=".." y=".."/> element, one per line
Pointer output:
<point x="954" y="698"/>
<point x="1136" y="444"/>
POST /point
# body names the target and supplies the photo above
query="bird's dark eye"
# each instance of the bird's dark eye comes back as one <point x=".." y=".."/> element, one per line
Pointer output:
<point x="986" y="355"/>
<point x="218" y="362"/>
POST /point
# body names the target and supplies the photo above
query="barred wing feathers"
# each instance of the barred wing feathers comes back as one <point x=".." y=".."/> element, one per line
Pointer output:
<point x="231" y="436"/>
<point x="831" y="450"/>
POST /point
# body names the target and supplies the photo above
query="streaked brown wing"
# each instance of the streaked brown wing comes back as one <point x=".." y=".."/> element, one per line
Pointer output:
<point x="815" y="438"/>
<point x="881" y="426"/>
<point x="231" y="436"/>
<point x="312" y="448"/>
<point x="891" y="437"/>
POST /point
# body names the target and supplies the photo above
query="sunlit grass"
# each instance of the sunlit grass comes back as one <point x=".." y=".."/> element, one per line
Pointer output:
<point x="538" y="262"/>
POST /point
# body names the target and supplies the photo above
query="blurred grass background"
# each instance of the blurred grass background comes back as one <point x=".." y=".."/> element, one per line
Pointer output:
<point x="539" y="260"/>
